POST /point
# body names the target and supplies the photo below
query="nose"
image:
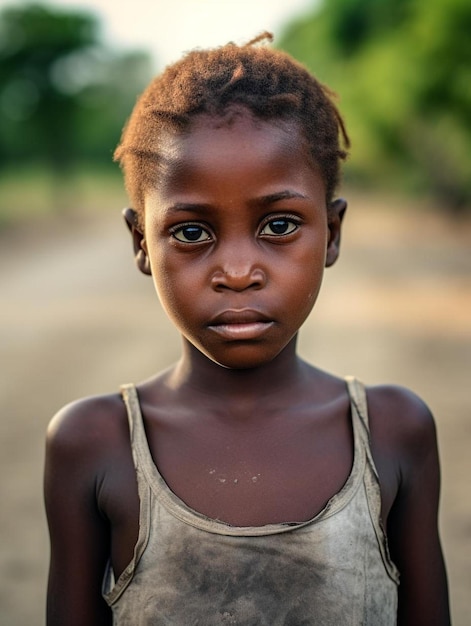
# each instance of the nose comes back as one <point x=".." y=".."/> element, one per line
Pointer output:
<point x="238" y="272"/>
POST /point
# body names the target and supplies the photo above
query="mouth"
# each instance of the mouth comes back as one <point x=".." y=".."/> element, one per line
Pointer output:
<point x="240" y="325"/>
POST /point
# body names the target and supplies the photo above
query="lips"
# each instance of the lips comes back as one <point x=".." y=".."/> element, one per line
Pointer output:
<point x="241" y="316"/>
<point x="240" y="325"/>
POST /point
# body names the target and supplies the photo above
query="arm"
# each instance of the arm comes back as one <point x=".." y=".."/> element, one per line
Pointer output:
<point x="412" y="524"/>
<point x="79" y="534"/>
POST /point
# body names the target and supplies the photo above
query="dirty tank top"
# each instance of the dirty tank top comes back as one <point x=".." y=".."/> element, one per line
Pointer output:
<point x="189" y="570"/>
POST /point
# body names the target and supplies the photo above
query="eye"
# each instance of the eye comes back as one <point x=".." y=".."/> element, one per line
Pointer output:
<point x="191" y="233"/>
<point x="279" y="226"/>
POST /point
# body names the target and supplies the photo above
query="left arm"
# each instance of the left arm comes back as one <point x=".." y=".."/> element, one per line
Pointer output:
<point x="412" y="523"/>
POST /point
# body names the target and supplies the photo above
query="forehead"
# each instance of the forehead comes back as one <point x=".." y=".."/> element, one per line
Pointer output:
<point x="237" y="138"/>
<point x="237" y="161"/>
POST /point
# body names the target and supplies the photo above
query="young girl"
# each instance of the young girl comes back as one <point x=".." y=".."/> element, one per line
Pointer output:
<point x="242" y="485"/>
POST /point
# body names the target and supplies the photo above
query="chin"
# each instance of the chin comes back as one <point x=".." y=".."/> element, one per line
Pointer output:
<point x="243" y="357"/>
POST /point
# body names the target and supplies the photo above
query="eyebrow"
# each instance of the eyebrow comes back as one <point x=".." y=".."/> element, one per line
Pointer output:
<point x="286" y="194"/>
<point x="271" y="198"/>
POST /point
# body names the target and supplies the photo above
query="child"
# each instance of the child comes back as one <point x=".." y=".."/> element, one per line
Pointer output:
<point x="241" y="485"/>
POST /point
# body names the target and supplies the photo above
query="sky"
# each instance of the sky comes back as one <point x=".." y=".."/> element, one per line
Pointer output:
<point x="168" y="28"/>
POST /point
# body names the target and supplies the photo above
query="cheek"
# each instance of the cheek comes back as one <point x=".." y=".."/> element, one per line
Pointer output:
<point x="306" y="282"/>
<point x="176" y="286"/>
<point x="161" y="271"/>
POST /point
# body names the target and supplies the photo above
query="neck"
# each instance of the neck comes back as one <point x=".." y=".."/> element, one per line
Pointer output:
<point x="197" y="372"/>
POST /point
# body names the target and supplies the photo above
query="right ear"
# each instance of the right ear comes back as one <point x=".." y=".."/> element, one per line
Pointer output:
<point x="138" y="241"/>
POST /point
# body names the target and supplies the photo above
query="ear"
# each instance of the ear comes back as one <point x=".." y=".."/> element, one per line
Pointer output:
<point x="336" y="211"/>
<point x="138" y="241"/>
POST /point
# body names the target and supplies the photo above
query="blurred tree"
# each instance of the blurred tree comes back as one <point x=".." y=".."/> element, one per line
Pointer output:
<point x="63" y="94"/>
<point x="403" y="69"/>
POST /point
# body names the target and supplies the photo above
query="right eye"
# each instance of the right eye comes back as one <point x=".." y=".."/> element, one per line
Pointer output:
<point x="191" y="233"/>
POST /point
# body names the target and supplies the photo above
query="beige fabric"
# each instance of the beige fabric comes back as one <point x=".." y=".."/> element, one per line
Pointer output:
<point x="189" y="570"/>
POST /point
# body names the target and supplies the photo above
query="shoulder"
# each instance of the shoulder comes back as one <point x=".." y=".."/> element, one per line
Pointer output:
<point x="86" y="419"/>
<point x="401" y="424"/>
<point x="399" y="408"/>
<point x="86" y="428"/>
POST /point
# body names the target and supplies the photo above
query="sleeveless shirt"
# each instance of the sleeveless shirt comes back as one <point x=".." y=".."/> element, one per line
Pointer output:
<point x="190" y="570"/>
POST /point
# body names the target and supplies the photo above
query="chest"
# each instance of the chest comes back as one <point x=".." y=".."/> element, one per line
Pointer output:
<point x="242" y="476"/>
<point x="254" y="476"/>
<point x="286" y="575"/>
<point x="243" y="482"/>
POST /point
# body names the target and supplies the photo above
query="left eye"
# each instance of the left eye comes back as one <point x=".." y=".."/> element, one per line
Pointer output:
<point x="279" y="226"/>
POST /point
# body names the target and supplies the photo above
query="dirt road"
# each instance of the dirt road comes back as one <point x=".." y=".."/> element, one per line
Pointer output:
<point x="78" y="319"/>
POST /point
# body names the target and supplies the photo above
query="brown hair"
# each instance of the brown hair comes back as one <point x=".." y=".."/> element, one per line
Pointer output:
<point x="268" y="82"/>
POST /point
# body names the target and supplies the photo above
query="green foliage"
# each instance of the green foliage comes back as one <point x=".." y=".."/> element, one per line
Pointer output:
<point x="403" y="69"/>
<point x="63" y="95"/>
<point x="26" y="191"/>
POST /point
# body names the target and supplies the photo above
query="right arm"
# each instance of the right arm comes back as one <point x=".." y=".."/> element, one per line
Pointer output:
<point x="79" y="534"/>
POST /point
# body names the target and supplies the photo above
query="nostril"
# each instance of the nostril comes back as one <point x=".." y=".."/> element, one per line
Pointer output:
<point x="238" y="280"/>
<point x="257" y="279"/>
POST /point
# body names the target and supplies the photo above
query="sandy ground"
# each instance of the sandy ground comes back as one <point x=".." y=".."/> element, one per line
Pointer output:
<point x="77" y="319"/>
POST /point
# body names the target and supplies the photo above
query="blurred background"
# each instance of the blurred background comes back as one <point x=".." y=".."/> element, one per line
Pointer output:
<point x="77" y="319"/>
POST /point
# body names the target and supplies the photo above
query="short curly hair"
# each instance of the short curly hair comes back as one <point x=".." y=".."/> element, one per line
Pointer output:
<point x="267" y="81"/>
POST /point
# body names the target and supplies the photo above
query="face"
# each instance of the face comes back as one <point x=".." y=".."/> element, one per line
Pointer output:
<point x="237" y="235"/>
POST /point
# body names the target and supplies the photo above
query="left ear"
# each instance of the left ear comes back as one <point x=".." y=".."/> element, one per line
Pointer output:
<point x="335" y="212"/>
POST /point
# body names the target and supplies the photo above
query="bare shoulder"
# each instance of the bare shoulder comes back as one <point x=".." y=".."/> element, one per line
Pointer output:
<point x="403" y="443"/>
<point x="87" y="428"/>
<point x="408" y="409"/>
<point x="403" y="418"/>
<point x="96" y="411"/>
